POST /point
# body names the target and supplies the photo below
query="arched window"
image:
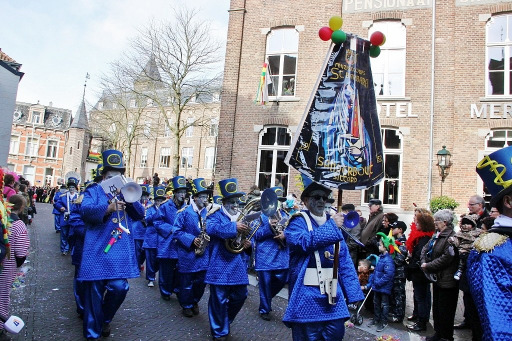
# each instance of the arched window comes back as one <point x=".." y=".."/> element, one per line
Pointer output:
<point x="281" y="56"/>
<point x="389" y="69"/>
<point x="499" y="55"/>
<point x="272" y="149"/>
<point x="388" y="191"/>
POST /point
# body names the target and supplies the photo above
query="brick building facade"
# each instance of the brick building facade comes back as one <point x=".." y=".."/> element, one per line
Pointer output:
<point x="453" y="89"/>
<point x="42" y="142"/>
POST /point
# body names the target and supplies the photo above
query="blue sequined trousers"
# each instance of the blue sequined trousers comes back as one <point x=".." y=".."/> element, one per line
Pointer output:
<point x="333" y="330"/>
<point x="224" y="304"/>
<point x="102" y="299"/>
<point x="270" y="283"/>
<point x="192" y="287"/>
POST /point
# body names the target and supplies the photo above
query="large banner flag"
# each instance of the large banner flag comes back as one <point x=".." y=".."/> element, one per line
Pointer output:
<point x="338" y="143"/>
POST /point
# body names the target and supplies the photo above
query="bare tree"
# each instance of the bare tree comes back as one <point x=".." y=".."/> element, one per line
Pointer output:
<point x="183" y="58"/>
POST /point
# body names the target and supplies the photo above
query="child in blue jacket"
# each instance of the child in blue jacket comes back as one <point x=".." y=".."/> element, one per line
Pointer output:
<point x="381" y="283"/>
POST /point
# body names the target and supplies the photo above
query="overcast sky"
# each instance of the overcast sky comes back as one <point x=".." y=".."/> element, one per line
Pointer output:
<point x="59" y="41"/>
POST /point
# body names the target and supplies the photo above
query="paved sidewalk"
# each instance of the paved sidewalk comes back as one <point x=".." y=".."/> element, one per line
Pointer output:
<point x="44" y="300"/>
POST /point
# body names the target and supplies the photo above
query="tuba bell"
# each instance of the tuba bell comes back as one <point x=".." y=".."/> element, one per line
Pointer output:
<point x="251" y="215"/>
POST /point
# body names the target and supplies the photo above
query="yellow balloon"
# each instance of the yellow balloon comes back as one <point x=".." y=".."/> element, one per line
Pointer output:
<point x="383" y="40"/>
<point x="335" y="23"/>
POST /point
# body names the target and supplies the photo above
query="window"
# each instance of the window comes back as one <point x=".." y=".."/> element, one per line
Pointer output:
<point x="190" y="129"/>
<point x="78" y="146"/>
<point x="389" y="69"/>
<point x="51" y="150"/>
<point x="129" y="128"/>
<point x="281" y="56"/>
<point x="14" y="147"/>
<point x="147" y="129"/>
<point x="32" y="147"/>
<point x="149" y="102"/>
<point x="187" y="156"/>
<point x="209" y="157"/>
<point x="100" y="105"/>
<point x="216" y="97"/>
<point x="214" y="127"/>
<point x="499" y="55"/>
<point x="272" y="150"/>
<point x="132" y="103"/>
<point x="36" y="117"/>
<point x="389" y="189"/>
<point x="144" y="157"/>
<point x="165" y="157"/>
<point x="114" y="105"/>
<point x="29" y="173"/>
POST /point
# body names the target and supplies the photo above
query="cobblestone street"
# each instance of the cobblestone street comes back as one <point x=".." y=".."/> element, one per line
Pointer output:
<point x="44" y="299"/>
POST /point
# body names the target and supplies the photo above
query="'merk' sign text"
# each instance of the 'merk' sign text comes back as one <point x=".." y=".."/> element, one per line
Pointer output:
<point x="491" y="110"/>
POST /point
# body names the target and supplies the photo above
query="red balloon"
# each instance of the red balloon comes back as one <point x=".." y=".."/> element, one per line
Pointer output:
<point x="377" y="38"/>
<point x="325" y="33"/>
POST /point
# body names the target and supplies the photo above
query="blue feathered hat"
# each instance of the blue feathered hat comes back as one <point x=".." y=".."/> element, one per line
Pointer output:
<point x="179" y="182"/>
<point x="112" y="160"/>
<point x="217" y="199"/>
<point x="495" y="170"/>
<point x="199" y="186"/>
<point x="159" y="192"/>
<point x="73" y="182"/>
<point x="229" y="188"/>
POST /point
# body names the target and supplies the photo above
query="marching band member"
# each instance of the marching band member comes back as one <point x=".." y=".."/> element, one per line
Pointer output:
<point x="227" y="272"/>
<point x="193" y="255"/>
<point x="76" y="244"/>
<point x="108" y="258"/>
<point x="168" y="281"/>
<point x="139" y="229"/>
<point x="150" y="244"/>
<point x="271" y="261"/>
<point x="63" y="205"/>
<point x="57" y="213"/>
<point x="310" y="236"/>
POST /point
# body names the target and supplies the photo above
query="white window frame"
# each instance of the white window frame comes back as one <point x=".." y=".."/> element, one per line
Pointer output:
<point x="507" y="47"/>
<point x="36" y="117"/>
<point x="189" y="132"/>
<point x="165" y="157"/>
<point x="282" y="52"/>
<point x="209" y="157"/>
<point x="56" y="149"/>
<point x="389" y="151"/>
<point x="143" y="157"/>
<point x="390" y="28"/>
<point x="33" y="150"/>
<point x="14" y="145"/>
<point x="147" y="129"/>
<point x="100" y="105"/>
<point x="214" y="127"/>
<point x="187" y="153"/>
<point x="275" y="149"/>
<point x="132" y="103"/>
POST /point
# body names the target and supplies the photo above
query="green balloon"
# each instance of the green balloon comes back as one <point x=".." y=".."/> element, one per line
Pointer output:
<point x="374" y="51"/>
<point x="338" y="37"/>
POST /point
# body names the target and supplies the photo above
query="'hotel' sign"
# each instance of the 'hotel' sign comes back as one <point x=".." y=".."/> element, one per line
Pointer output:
<point x="353" y="6"/>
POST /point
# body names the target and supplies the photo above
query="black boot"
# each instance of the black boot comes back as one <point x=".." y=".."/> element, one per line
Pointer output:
<point x="419" y="326"/>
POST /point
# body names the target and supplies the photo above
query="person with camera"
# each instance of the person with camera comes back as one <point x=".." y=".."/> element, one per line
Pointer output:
<point x="63" y="204"/>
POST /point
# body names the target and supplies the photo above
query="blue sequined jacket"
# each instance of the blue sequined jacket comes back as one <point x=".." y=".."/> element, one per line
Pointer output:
<point x="270" y="255"/>
<point x="306" y="303"/>
<point x="187" y="228"/>
<point x="489" y="270"/>
<point x="225" y="268"/>
<point x="150" y="236"/>
<point x="120" y="261"/>
<point x="166" y="243"/>
<point x="61" y="200"/>
<point x="76" y="232"/>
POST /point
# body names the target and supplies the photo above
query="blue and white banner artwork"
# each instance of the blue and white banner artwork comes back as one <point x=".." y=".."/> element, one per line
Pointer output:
<point x="338" y="142"/>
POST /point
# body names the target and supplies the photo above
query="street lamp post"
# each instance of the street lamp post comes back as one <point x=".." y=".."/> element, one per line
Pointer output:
<point x="443" y="164"/>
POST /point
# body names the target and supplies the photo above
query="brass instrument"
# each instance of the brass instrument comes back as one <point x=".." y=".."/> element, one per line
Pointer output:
<point x="279" y="227"/>
<point x="266" y="204"/>
<point x="204" y="238"/>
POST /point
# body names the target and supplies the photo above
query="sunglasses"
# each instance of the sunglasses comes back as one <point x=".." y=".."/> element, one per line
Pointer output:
<point x="318" y="197"/>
